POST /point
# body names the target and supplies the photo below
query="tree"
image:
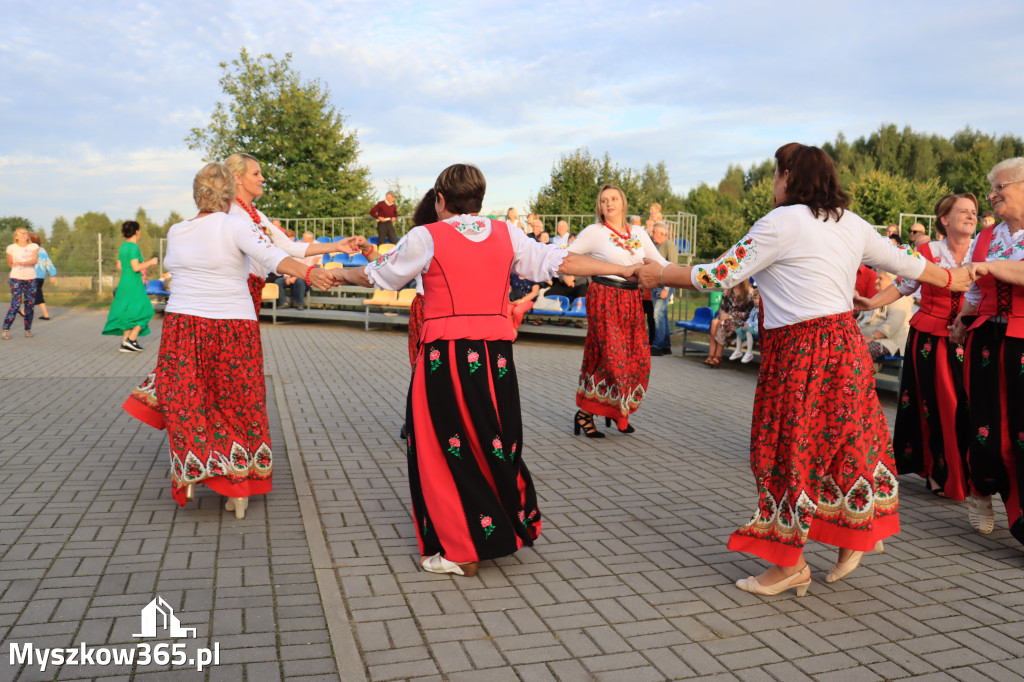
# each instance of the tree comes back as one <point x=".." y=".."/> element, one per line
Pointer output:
<point x="9" y="224"/>
<point x="309" y="158"/>
<point x="758" y="202"/>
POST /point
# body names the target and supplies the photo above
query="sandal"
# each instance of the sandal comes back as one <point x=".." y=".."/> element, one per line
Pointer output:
<point x="28" y="334"/>
<point x="714" y="363"/>
<point x="435" y="563"/>
<point x="629" y="427"/>
<point x="585" y="422"/>
<point x="933" y="487"/>
<point x="980" y="514"/>
<point x="6" y="335"/>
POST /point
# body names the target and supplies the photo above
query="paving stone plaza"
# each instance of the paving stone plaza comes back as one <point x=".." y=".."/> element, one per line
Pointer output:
<point x="630" y="579"/>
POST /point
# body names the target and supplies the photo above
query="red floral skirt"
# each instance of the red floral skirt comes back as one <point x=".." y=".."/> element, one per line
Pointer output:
<point x="993" y="432"/>
<point x="472" y="495"/>
<point x="925" y="440"/>
<point x="212" y="393"/>
<point x="819" y="445"/>
<point x="142" y="401"/>
<point x="616" y="356"/>
<point x="415" y="324"/>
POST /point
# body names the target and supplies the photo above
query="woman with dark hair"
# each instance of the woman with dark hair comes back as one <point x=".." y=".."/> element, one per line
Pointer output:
<point x="472" y="495"/>
<point x="925" y="440"/>
<point x="617" y="353"/>
<point x="425" y="214"/>
<point x="991" y="321"/>
<point x="820" y="449"/>
<point x="131" y="309"/>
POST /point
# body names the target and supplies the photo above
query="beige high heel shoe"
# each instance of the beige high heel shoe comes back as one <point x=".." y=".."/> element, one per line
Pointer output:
<point x="190" y="492"/>
<point x="237" y="505"/>
<point x="793" y="582"/>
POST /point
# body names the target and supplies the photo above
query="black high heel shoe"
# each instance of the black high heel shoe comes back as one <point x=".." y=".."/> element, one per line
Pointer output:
<point x="629" y="427"/>
<point x="586" y="423"/>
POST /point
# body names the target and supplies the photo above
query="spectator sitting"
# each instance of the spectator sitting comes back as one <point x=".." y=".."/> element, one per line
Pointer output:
<point x="561" y="237"/>
<point x="521" y="295"/>
<point x="745" y="333"/>
<point x="636" y="220"/>
<point x="570" y="286"/>
<point x="895" y="239"/>
<point x="544" y="238"/>
<point x="886" y="330"/>
<point x="891" y="230"/>
<point x="536" y="227"/>
<point x="988" y="219"/>
<point x="296" y="284"/>
<point x="733" y="312"/>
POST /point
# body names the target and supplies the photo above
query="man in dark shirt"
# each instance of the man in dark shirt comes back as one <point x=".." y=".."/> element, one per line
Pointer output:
<point x="385" y="213"/>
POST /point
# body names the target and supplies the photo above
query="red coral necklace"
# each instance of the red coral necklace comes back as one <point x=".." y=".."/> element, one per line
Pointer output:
<point x="625" y="242"/>
<point x="251" y="210"/>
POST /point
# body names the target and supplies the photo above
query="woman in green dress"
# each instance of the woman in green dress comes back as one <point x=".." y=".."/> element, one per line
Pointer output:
<point x="131" y="310"/>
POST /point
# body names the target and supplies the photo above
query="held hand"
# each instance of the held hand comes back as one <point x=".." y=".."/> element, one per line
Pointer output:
<point x="629" y="272"/>
<point x="976" y="270"/>
<point x="862" y="303"/>
<point x="321" y="279"/>
<point x="348" y="245"/>
<point x="957" y="330"/>
<point x="649" y="274"/>
<point x="664" y="293"/>
<point x="961" y="279"/>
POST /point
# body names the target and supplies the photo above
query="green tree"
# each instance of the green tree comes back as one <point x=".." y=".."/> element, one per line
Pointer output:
<point x="9" y="224"/>
<point x="758" y="202"/>
<point x="719" y="222"/>
<point x="309" y="158"/>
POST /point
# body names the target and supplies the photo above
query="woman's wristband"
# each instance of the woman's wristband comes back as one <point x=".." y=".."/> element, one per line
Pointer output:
<point x="309" y="270"/>
<point x="949" y="278"/>
<point x="661" y="276"/>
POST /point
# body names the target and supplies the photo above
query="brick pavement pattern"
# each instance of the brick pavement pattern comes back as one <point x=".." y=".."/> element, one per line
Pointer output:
<point x="630" y="578"/>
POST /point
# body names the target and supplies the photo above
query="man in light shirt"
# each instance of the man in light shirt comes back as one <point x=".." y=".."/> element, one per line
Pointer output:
<point x="561" y="238"/>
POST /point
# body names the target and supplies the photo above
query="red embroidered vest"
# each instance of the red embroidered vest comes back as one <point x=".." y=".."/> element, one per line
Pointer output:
<point x="997" y="298"/>
<point x="939" y="306"/>
<point x="465" y="290"/>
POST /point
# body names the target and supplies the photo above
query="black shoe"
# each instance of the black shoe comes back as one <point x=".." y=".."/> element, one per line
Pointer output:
<point x="126" y="348"/>
<point x="404" y="433"/>
<point x="655" y="352"/>
<point x="134" y="343"/>
<point x="629" y="427"/>
<point x="586" y="423"/>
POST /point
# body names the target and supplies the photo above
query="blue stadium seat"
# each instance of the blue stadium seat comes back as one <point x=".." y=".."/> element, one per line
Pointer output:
<point x="323" y="240"/>
<point x="156" y="288"/>
<point x="701" y="322"/>
<point x="357" y="259"/>
<point x="343" y="258"/>
<point x="579" y="308"/>
<point x="372" y="240"/>
<point x="562" y="300"/>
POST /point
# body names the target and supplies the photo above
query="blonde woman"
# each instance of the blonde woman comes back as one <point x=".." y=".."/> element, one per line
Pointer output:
<point x="21" y="259"/>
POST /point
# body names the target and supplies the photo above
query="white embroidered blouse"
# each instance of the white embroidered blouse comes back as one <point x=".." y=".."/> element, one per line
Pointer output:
<point x="1004" y="246"/>
<point x="805" y="267"/>
<point x="280" y="239"/>
<point x="603" y="243"/>
<point x="940" y="250"/>
<point x="412" y="255"/>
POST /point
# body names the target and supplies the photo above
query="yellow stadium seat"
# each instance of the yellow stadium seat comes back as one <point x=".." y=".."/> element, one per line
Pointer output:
<point x="405" y="297"/>
<point x="270" y="292"/>
<point x="381" y="250"/>
<point x="333" y="266"/>
<point x="382" y="297"/>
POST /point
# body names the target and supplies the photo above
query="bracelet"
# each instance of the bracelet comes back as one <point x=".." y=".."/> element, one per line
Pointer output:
<point x="311" y="268"/>
<point x="661" y="277"/>
<point x="949" y="275"/>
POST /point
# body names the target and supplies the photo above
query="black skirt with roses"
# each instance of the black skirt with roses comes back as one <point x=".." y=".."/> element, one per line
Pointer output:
<point x="472" y="495"/>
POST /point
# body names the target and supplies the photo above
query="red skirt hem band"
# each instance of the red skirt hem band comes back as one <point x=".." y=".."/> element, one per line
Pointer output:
<point x="144" y="414"/>
<point x="822" y="531"/>
<point x="222" y="487"/>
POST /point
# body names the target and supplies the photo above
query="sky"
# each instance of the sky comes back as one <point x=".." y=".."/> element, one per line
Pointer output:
<point x="96" y="99"/>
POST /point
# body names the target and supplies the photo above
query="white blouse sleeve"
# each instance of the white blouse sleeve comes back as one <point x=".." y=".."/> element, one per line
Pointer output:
<point x="879" y="252"/>
<point x="532" y="260"/>
<point x="293" y="249"/>
<point x="409" y="259"/>
<point x="252" y="241"/>
<point x="973" y="295"/>
<point x="751" y="254"/>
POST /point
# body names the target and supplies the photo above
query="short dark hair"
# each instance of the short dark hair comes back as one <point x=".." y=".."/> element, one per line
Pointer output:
<point x="813" y="181"/>
<point x="129" y="228"/>
<point x="945" y="205"/>
<point x="463" y="187"/>
<point x="425" y="213"/>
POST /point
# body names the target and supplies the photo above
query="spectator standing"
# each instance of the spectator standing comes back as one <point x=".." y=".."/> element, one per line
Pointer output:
<point x="661" y="341"/>
<point x="21" y="259"/>
<point x="386" y="213"/>
<point x="131" y="309"/>
<point x="511" y="217"/>
<point x="44" y="268"/>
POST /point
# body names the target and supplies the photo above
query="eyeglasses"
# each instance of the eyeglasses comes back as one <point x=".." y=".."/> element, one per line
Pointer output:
<point x="997" y="189"/>
<point x="917" y="232"/>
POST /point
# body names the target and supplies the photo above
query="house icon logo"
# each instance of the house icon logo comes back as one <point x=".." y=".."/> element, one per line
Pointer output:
<point x="158" y="614"/>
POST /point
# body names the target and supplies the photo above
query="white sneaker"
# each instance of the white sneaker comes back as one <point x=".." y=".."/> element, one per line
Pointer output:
<point x="736" y="354"/>
<point x="747" y="357"/>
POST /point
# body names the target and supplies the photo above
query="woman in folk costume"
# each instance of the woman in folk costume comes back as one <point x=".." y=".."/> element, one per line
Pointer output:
<point x="617" y="354"/>
<point x="819" y="443"/>
<point x="925" y="440"/>
<point x="210" y="386"/>
<point x="472" y="495"/>
<point x="248" y="176"/>
<point x="991" y="320"/>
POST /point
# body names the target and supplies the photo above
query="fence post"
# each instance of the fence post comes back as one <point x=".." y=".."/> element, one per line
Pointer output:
<point x="99" y="259"/>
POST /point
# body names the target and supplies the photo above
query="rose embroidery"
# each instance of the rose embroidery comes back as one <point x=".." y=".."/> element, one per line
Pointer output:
<point x="985" y="359"/>
<point x="497" y="451"/>
<point x="982" y="434"/>
<point x="487" y="525"/>
<point x="455" y="446"/>
<point x="1022" y="363"/>
<point x="435" y="359"/>
<point x="502" y="365"/>
<point x="905" y="399"/>
<point x="512" y="456"/>
<point x="926" y="349"/>
<point x="960" y="355"/>
<point x="1020" y="440"/>
<point x="473" y="358"/>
